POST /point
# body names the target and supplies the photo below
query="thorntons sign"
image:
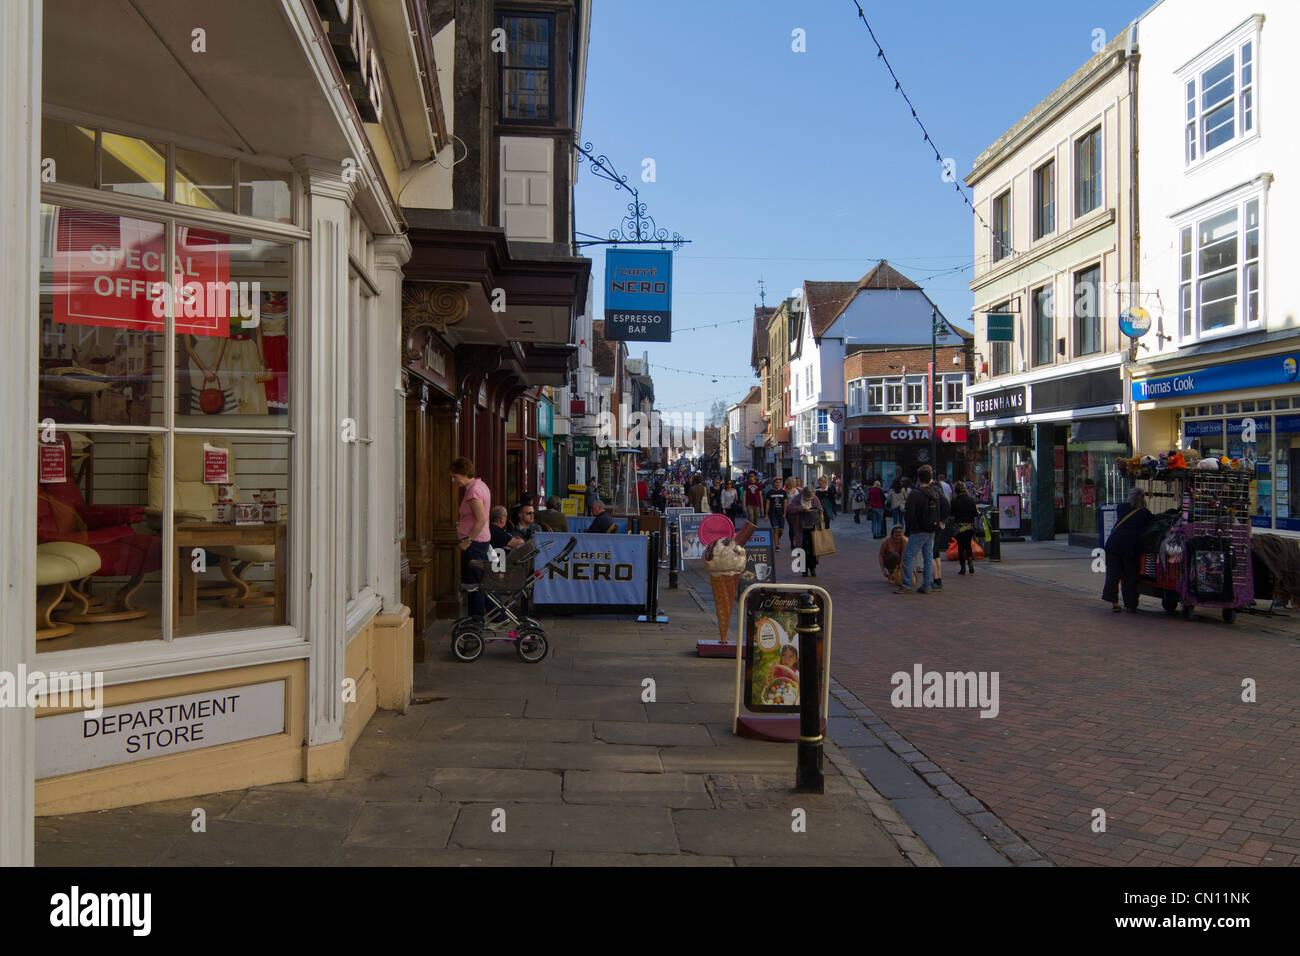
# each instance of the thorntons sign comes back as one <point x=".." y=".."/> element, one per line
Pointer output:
<point x="1007" y="401"/>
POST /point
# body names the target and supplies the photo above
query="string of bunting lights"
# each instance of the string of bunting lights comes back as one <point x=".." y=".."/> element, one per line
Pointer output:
<point x="898" y="87"/>
<point x="685" y="371"/>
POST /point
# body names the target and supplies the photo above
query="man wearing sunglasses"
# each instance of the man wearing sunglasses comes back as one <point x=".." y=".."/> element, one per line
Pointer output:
<point x="527" y="522"/>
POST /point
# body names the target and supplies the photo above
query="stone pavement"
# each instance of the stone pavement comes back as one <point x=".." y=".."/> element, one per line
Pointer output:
<point x="1137" y="715"/>
<point x="581" y="770"/>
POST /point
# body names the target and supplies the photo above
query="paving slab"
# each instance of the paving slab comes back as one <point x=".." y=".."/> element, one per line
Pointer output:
<point x="478" y="707"/>
<point x="238" y="843"/>
<point x="383" y="786"/>
<point x="849" y="732"/>
<point x="755" y="758"/>
<point x="654" y="734"/>
<point x="675" y="790"/>
<point x="306" y="810"/>
<point x="592" y="756"/>
<point x="666" y="712"/>
<point x="841" y="835"/>
<point x="474" y="785"/>
<point x="887" y="772"/>
<point x="567" y="827"/>
<point x="396" y="856"/>
<point x="398" y="825"/>
<point x="627" y="708"/>
<point x="583" y="858"/>
<point x="501" y="729"/>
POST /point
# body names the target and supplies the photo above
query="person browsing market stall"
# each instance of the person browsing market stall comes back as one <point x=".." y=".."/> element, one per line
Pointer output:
<point x="1122" y="550"/>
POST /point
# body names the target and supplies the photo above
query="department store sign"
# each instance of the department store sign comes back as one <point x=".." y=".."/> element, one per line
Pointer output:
<point x="68" y="743"/>
<point x="1006" y="401"/>
<point x="1257" y="373"/>
<point x="352" y="37"/>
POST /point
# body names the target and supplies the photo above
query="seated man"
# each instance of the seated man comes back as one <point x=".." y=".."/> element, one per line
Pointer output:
<point x="526" y="522"/>
<point x="603" y="522"/>
<point x="501" y="538"/>
<point x="553" y="519"/>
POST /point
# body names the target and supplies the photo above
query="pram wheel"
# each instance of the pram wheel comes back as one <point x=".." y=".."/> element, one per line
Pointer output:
<point x="532" y="645"/>
<point x="467" y="644"/>
<point x="1188" y="612"/>
<point x="1229" y="615"/>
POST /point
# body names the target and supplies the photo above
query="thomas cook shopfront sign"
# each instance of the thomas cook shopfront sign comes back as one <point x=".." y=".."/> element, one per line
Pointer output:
<point x="68" y="743"/>
<point x="1257" y="373"/>
<point x="352" y="37"/>
<point x="638" y="295"/>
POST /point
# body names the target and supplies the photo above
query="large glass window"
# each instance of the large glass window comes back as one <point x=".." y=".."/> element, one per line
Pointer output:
<point x="526" y="68"/>
<point x="894" y="396"/>
<point x="1087" y="172"/>
<point x="1044" y="199"/>
<point x="147" y="485"/>
<point x="916" y="394"/>
<point x="1088" y="311"/>
<point x="1219" y="271"/>
<point x="1044" y="323"/>
<point x="1001" y="351"/>
<point x="875" y="396"/>
<point x="1219" y="103"/>
<point x="1002" y="226"/>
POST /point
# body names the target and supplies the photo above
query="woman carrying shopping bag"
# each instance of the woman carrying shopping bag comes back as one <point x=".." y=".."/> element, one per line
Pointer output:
<point x="804" y="515"/>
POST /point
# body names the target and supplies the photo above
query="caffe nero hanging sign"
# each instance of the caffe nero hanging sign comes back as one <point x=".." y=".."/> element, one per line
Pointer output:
<point x="999" y="404"/>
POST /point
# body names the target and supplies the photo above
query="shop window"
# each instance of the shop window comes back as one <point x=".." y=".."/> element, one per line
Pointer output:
<point x="954" y="387"/>
<point x="67" y="153"/>
<point x="357" y="455"/>
<point x="875" y="396"/>
<point x="123" y="473"/>
<point x="1285" y="465"/>
<point x="1044" y="200"/>
<point x="1087" y="172"/>
<point x="1044" y="326"/>
<point x="1002" y="226"/>
<point x="1088" y="309"/>
<point x="916" y="394"/>
<point x="527" y="75"/>
<point x="132" y="166"/>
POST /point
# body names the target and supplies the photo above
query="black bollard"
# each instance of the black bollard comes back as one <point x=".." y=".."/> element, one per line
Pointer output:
<point x="674" y="550"/>
<point x="808" y="767"/>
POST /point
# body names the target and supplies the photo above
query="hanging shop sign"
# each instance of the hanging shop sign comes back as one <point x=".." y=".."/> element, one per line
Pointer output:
<point x="638" y="295"/>
<point x="110" y="271"/>
<point x="1135" y="322"/>
<point x="68" y="743"/>
<point x="1257" y="373"/>
<point x="603" y="570"/>
<point x="1003" y="402"/>
<point x="581" y="446"/>
<point x="352" y="39"/>
<point x="1001" y="327"/>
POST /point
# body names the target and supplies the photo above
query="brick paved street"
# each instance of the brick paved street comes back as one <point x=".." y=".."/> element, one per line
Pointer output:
<point x="1138" y="715"/>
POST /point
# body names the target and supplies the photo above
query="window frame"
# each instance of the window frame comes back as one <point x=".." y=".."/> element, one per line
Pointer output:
<point x="1001" y="249"/>
<point x="1244" y="75"/>
<point x="1043" y="229"/>
<point x="1038" y="321"/>
<point x="1096" y="128"/>
<point x="1097" y="319"/>
<point x="551" y="118"/>
<point x="1002" y="354"/>
<point x="1190" y="303"/>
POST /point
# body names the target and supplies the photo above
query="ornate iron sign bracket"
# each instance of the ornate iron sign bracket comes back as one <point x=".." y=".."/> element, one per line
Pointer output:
<point x="637" y="227"/>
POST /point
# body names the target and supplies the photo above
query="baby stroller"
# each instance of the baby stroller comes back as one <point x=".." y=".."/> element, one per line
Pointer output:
<point x="504" y="592"/>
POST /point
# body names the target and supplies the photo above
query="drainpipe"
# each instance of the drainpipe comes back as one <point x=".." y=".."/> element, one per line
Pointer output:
<point x="1134" y="266"/>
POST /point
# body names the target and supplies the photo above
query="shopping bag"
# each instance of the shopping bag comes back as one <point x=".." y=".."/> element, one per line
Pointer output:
<point x="823" y="542"/>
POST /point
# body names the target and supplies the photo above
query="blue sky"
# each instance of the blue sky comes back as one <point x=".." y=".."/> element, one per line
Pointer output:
<point x="789" y="166"/>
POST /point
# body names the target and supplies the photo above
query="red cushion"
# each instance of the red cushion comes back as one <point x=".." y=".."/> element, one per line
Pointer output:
<point x="136" y="554"/>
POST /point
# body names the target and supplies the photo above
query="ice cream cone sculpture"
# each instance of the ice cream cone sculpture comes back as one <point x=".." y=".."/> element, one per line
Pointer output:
<point x="725" y="560"/>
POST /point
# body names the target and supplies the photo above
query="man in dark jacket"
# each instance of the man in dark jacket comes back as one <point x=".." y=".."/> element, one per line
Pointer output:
<point x="1122" y="552"/>
<point x="926" y="510"/>
<point x="553" y="519"/>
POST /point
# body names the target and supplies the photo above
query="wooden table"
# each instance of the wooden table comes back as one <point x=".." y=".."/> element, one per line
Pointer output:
<point x="205" y="534"/>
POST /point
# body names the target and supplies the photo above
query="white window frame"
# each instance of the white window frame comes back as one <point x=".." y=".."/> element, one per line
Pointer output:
<point x="195" y="653"/>
<point x="910" y="383"/>
<point x="949" y="380"/>
<point x="823" y="434"/>
<point x="1232" y="45"/>
<point x="878" y="406"/>
<point x="1239" y="201"/>
<point x="892" y="407"/>
<point x="1010" y="244"/>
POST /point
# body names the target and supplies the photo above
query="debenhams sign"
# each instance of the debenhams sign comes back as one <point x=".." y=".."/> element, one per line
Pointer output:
<point x="353" y="40"/>
<point x="1006" y="401"/>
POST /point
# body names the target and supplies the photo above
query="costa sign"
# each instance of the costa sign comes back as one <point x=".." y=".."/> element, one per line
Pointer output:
<point x="349" y="32"/>
<point x="950" y="434"/>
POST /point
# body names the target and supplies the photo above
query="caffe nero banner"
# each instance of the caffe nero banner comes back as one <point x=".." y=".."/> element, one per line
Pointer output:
<point x="603" y="569"/>
<point x="638" y="295"/>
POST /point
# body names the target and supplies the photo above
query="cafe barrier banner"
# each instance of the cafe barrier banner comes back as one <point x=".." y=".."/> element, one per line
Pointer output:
<point x="583" y="522"/>
<point x="603" y="570"/>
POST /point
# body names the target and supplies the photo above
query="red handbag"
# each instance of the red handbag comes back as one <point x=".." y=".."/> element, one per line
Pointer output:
<point x="212" y="400"/>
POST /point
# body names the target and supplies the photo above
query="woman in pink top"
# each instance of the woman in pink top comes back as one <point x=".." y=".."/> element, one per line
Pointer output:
<point x="472" y="526"/>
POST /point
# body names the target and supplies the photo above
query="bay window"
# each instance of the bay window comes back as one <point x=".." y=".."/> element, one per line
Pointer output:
<point x="1219" y="271"/>
<point x="1219" y="99"/>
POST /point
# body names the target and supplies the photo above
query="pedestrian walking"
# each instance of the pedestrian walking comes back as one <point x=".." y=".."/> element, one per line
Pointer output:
<point x="896" y="502"/>
<point x="1122" y="550"/>
<point x="776" y="501"/>
<point x="753" y="498"/>
<point x="942" y="538"/>
<point x="857" y="500"/>
<point x="826" y="497"/>
<point x="876" y="502"/>
<point x="729" y="498"/>
<point x="925" y="512"/>
<point x="804" y="515"/>
<point x="964" y="515"/>
<point x="698" y="495"/>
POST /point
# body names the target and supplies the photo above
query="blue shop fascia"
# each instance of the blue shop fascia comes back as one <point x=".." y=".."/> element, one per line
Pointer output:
<point x="1216" y="402"/>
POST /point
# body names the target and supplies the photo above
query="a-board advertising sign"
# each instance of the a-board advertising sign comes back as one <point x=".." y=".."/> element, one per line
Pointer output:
<point x="767" y="667"/>
<point x="760" y="559"/>
<point x="1009" y="513"/>
<point x="603" y="570"/>
<point x="638" y="295"/>
<point x="691" y="547"/>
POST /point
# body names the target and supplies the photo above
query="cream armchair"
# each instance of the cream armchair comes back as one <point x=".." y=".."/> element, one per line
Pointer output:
<point x="193" y="501"/>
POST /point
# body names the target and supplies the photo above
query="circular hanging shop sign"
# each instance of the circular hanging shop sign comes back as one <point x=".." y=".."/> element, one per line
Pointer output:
<point x="837" y="416"/>
<point x="1135" y="322"/>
